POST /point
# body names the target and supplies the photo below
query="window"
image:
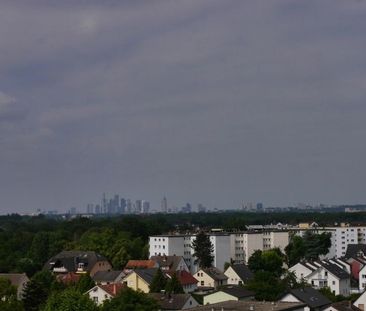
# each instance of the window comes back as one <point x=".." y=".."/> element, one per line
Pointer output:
<point x="326" y="273"/>
<point x="202" y="283"/>
<point x="333" y="282"/>
<point x="95" y="299"/>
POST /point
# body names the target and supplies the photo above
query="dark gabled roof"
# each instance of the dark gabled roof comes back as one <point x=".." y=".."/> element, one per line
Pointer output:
<point x="243" y="305"/>
<point x="215" y="273"/>
<point x="311" y="297"/>
<point x="168" y="262"/>
<point x="237" y="291"/>
<point x="335" y="270"/>
<point x="71" y="259"/>
<point x="354" y="250"/>
<point x="242" y="271"/>
<point x="146" y="274"/>
<point x="307" y="265"/>
<point x="345" y="306"/>
<point x="107" y="276"/>
<point x="172" y="301"/>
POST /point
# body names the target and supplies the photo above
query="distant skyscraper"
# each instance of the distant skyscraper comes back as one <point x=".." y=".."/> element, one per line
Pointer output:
<point x="145" y="206"/>
<point x="122" y="206"/>
<point x="72" y="211"/>
<point x="104" y="204"/>
<point x="259" y="207"/>
<point x="187" y="208"/>
<point x="90" y="209"/>
<point x="128" y="206"/>
<point x="115" y="204"/>
<point x="110" y="206"/>
<point x="201" y="208"/>
<point x="97" y="209"/>
<point x="164" y="205"/>
<point x="138" y="205"/>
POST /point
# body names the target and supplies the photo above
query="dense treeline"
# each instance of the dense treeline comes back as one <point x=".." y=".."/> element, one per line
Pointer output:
<point x="26" y="243"/>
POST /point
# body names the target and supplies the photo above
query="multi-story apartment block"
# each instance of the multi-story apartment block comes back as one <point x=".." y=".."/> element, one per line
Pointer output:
<point x="180" y="245"/>
<point x="227" y="247"/>
<point x="244" y="244"/>
<point x="341" y="237"/>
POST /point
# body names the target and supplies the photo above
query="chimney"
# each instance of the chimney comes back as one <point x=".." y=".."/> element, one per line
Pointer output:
<point x="114" y="289"/>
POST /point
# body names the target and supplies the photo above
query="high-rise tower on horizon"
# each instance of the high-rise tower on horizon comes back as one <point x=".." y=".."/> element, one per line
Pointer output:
<point x="164" y="205"/>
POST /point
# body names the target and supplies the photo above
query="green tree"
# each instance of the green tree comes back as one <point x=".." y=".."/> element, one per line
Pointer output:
<point x="27" y="265"/>
<point x="7" y="291"/>
<point x="255" y="261"/>
<point x="272" y="262"/>
<point x="203" y="250"/>
<point x="8" y="294"/>
<point x="158" y="282"/>
<point x="289" y="281"/>
<point x="266" y="286"/>
<point x="69" y="300"/>
<point x="308" y="247"/>
<point x="39" y="250"/>
<point x="130" y="300"/>
<point x="85" y="283"/>
<point x="37" y="290"/>
<point x="173" y="286"/>
<point x="269" y="261"/>
<point x="295" y="250"/>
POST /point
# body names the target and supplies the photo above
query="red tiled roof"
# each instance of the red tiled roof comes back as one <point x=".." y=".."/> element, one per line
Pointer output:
<point x="142" y="264"/>
<point x="184" y="277"/>
<point x="112" y="289"/>
<point x="70" y="277"/>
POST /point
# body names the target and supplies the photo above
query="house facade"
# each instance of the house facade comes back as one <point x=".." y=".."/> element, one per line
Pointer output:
<point x="210" y="278"/>
<point x="227" y="293"/>
<point x="140" y="279"/>
<point x="81" y="262"/>
<point x="325" y="273"/>
<point x="100" y="293"/>
<point x="238" y="274"/>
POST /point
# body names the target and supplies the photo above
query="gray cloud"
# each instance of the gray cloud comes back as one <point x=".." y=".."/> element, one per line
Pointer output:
<point x="204" y="101"/>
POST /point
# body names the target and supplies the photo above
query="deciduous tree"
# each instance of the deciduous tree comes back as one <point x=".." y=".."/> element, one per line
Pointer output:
<point x="158" y="282"/>
<point x="173" y="286"/>
<point x="130" y="300"/>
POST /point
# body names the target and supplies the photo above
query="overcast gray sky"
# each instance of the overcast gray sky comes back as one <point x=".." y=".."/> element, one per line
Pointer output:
<point x="216" y="101"/>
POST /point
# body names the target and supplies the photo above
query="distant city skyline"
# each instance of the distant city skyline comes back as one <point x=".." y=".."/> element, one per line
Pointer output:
<point x="117" y="204"/>
<point x="212" y="102"/>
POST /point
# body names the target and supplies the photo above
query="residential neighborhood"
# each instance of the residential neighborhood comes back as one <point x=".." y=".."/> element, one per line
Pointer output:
<point x="186" y="278"/>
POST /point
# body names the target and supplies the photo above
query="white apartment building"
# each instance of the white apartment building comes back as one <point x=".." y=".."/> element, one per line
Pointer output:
<point x="244" y="244"/>
<point x="341" y="237"/>
<point x="180" y="245"/>
<point x="227" y="247"/>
